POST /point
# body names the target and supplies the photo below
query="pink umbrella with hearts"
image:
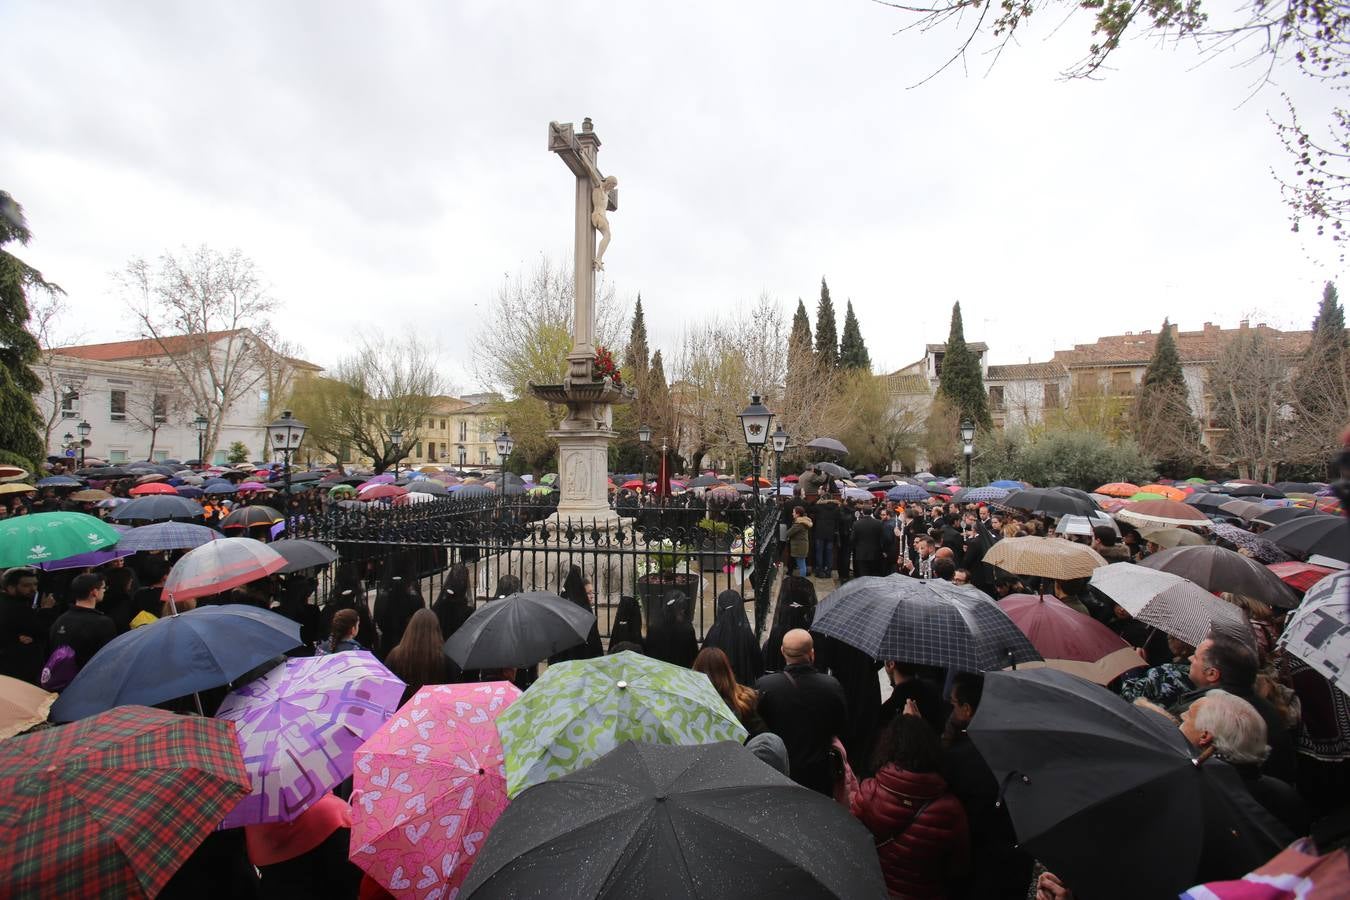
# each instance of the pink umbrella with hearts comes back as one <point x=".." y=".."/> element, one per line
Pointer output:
<point x="427" y="788"/>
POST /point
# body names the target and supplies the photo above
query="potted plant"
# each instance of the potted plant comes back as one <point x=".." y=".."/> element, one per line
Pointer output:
<point x="665" y="568"/>
<point x="715" y="539"/>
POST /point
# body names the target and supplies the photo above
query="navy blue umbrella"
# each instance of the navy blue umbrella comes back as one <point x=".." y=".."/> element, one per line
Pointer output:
<point x="907" y="493"/>
<point x="176" y="656"/>
<point x="167" y="536"/>
<point x="158" y="508"/>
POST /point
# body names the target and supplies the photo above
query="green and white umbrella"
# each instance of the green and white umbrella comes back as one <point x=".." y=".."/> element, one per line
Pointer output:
<point x="579" y="711"/>
<point x="46" y="537"/>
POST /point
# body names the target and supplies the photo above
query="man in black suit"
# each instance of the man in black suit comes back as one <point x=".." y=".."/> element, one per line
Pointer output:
<point x="807" y="709"/>
<point x="867" y="544"/>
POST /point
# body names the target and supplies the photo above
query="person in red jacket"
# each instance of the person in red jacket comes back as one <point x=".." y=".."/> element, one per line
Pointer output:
<point x="918" y="825"/>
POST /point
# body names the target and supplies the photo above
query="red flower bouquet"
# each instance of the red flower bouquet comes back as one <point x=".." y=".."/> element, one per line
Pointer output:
<point x="605" y="367"/>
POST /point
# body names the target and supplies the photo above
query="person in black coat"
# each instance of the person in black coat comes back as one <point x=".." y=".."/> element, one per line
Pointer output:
<point x="454" y="605"/>
<point x="796" y="609"/>
<point x="577" y="588"/>
<point x="23" y="636"/>
<point x="857" y="672"/>
<point x="670" y="636"/>
<point x="807" y="709"/>
<point x="824" y="514"/>
<point x="627" y="626"/>
<point x="83" y="628"/>
<point x="394" y="607"/>
<point x="868" y="539"/>
<point x="731" y="633"/>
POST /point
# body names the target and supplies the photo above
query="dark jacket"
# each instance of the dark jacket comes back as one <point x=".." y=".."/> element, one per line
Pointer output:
<point x="998" y="869"/>
<point x="1281" y="762"/>
<point x="85" y="631"/>
<point x="1278" y="798"/>
<point x="856" y="672"/>
<point x="867" y="539"/>
<point x="825" y="518"/>
<point x="919" y="827"/>
<point x="807" y="709"/>
<point x="19" y="659"/>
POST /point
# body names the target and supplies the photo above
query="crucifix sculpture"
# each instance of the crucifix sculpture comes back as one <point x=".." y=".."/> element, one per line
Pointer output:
<point x="584" y="434"/>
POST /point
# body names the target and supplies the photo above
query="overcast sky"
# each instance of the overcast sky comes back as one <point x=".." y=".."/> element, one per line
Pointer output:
<point x="385" y="165"/>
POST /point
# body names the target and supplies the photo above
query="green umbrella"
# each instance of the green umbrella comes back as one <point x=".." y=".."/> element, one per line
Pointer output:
<point x="1147" y="495"/>
<point x="1197" y="480"/>
<point x="343" y="490"/>
<point x="550" y="478"/>
<point x="579" y="711"/>
<point x="45" y="537"/>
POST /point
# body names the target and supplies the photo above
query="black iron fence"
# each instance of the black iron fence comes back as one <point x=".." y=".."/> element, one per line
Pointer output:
<point x="675" y="560"/>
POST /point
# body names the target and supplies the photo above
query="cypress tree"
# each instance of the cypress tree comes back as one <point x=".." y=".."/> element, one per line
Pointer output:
<point x="658" y="402"/>
<point x="852" y="349"/>
<point x="636" y="354"/>
<point x="20" y="424"/>
<point x="827" y="335"/>
<point x="1329" y="325"/>
<point x="800" y="337"/>
<point x="1164" y="367"/>
<point x="1162" y="420"/>
<point x="961" y="380"/>
<point x="1320" y="383"/>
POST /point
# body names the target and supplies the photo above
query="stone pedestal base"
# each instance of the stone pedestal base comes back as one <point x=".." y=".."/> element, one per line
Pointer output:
<point x="583" y="475"/>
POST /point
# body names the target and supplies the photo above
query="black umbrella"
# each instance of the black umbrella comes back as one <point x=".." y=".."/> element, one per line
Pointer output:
<point x="1295" y="487"/>
<point x="427" y="486"/>
<point x="158" y="508"/>
<point x="307" y="476"/>
<point x="1217" y="569"/>
<point x="923" y="622"/>
<point x="1319" y="535"/>
<point x="703" y="481"/>
<point x="1080" y="769"/>
<point x="474" y="490"/>
<point x="1210" y="504"/>
<point x="658" y="822"/>
<point x="301" y="554"/>
<point x="1263" y="491"/>
<point x="250" y="516"/>
<point x="833" y="470"/>
<point x="519" y="630"/>
<point x="1280" y="514"/>
<point x="829" y="444"/>
<point x="1075" y="492"/>
<point x="1048" y="502"/>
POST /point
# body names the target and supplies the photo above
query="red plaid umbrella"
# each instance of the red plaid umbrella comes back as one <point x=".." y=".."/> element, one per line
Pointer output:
<point x="112" y="805"/>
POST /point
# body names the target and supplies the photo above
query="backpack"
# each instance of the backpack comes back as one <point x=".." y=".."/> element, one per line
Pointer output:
<point x="59" y="670"/>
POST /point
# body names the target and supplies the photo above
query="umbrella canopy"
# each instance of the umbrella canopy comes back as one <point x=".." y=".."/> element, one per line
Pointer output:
<point x="924" y="622"/>
<point x="1255" y="545"/>
<point x="219" y="488"/>
<point x="834" y="470"/>
<point x="298" y="726"/>
<point x="1080" y="768"/>
<point x="381" y="492"/>
<point x="1167" y="492"/>
<point x="1244" y="509"/>
<point x="1069" y="640"/>
<point x="1167" y="538"/>
<point x="580" y="710"/>
<point x="154" y="487"/>
<point x="17" y="488"/>
<point x="165" y="508"/>
<point x="704" y="481"/>
<point x="1319" y="630"/>
<point x="167" y="536"/>
<point x="1264" y="491"/>
<point x="907" y="493"/>
<point x="848" y="493"/>
<point x="664" y="822"/>
<point x="1007" y="483"/>
<point x="59" y="481"/>
<point x="1216" y="569"/>
<point x="342" y="490"/>
<point x="1170" y="603"/>
<point x="85" y="560"/>
<point x="428" y="486"/>
<point x="428" y="785"/>
<point x="1048" y="502"/>
<point x="1085" y="525"/>
<point x="987" y="494"/>
<point x="829" y="445"/>
<point x="1122" y="489"/>
<point x="1318" y="535"/>
<point x="518" y="630"/>
<point x="250" y="516"/>
<point x="22" y="706"/>
<point x="220" y="565"/>
<point x="1161" y="513"/>
<point x="301" y="554"/>
<point x="1278" y="515"/>
<point x="1300" y="575"/>
<point x="98" y="809"/>
<point x="1046" y="557"/>
<point x="176" y="656"/>
<point x="47" y="537"/>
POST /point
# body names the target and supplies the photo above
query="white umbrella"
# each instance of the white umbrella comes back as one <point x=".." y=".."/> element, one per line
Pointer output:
<point x="1170" y="603"/>
<point x="1319" y="630"/>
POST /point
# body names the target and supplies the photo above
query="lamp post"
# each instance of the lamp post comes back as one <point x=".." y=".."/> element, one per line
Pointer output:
<point x="504" y="447"/>
<point x="199" y="425"/>
<point x="780" y="443"/>
<point x="755" y="421"/>
<point x="284" y="437"/>
<point x="396" y="442"/>
<point x="68" y="444"/>
<point x="968" y="444"/>
<point x="644" y="434"/>
<point x="83" y="428"/>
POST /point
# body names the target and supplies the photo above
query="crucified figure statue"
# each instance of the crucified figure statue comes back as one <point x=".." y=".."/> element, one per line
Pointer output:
<point x="599" y="204"/>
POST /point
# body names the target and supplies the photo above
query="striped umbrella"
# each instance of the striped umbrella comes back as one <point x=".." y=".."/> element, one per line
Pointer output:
<point x="167" y="536"/>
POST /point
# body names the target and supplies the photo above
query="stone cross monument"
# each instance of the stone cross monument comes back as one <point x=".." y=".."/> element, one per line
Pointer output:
<point x="585" y="433"/>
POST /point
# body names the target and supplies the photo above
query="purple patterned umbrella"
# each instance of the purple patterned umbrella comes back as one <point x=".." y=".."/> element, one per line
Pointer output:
<point x="1261" y="550"/>
<point x="298" y="726"/>
<point x="93" y="558"/>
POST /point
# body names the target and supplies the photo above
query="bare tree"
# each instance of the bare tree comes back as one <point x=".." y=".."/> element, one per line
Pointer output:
<point x="880" y="432"/>
<point x="157" y="400"/>
<point x="208" y="313"/>
<point x="1253" y="401"/>
<point x="60" y="382"/>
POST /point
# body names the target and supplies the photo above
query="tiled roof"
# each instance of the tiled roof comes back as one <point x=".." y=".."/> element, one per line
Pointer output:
<point x="1026" y="372"/>
<point x="907" y="384"/>
<point x="143" y="348"/>
<point x="977" y="346"/>
<point x="1192" y="346"/>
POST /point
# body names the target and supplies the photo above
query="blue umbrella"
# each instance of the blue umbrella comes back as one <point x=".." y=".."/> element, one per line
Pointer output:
<point x="989" y="494"/>
<point x="176" y="656"/>
<point x="190" y="492"/>
<point x="60" y="481"/>
<point x="1009" y="484"/>
<point x="220" y="488"/>
<point x="167" y="536"/>
<point x="158" y="508"/>
<point x="907" y="492"/>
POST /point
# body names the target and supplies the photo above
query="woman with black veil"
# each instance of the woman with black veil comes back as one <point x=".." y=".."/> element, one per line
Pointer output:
<point x="627" y="628"/>
<point x="454" y="604"/>
<point x="670" y="636"/>
<point x="796" y="609"/>
<point x="731" y="633"/>
<point x="293" y="603"/>
<point x="394" y="607"/>
<point x="576" y="588"/>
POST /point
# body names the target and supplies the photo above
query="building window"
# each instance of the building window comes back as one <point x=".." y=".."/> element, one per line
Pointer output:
<point x="463" y="430"/>
<point x="161" y="455"/>
<point x="417" y="450"/>
<point x="264" y="398"/>
<point x="442" y="424"/>
<point x="161" y="409"/>
<point x="996" y="397"/>
<point x="445" y="454"/>
<point x="117" y="406"/>
<point x="1122" y="382"/>
<point x="430" y="424"/>
<point x="482" y="456"/>
<point x="1086" y="382"/>
<point x="70" y="405"/>
<point x="1051" y="396"/>
<point x="219" y="458"/>
<point x="937" y="364"/>
<point x="463" y="455"/>
<point x="117" y="456"/>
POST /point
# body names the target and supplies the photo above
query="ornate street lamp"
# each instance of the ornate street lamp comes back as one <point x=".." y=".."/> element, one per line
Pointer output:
<point x="396" y="442"/>
<point x="644" y="434"/>
<point x="284" y="437"/>
<point x="200" y="425"/>
<point x="504" y="447"/>
<point x="780" y="443"/>
<point x="755" y="421"/>
<point x="968" y="444"/>
<point x="83" y="428"/>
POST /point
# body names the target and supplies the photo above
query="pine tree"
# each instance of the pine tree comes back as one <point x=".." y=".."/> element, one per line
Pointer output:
<point x="961" y="380"/>
<point x="1162" y="422"/>
<point x="636" y="355"/>
<point x="1322" y="384"/>
<point x="852" y="350"/>
<point x="800" y="336"/>
<point x="827" y="335"/>
<point x="20" y="424"/>
<point x="661" y="412"/>
<point x="1329" y="326"/>
<point x="1164" y="368"/>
